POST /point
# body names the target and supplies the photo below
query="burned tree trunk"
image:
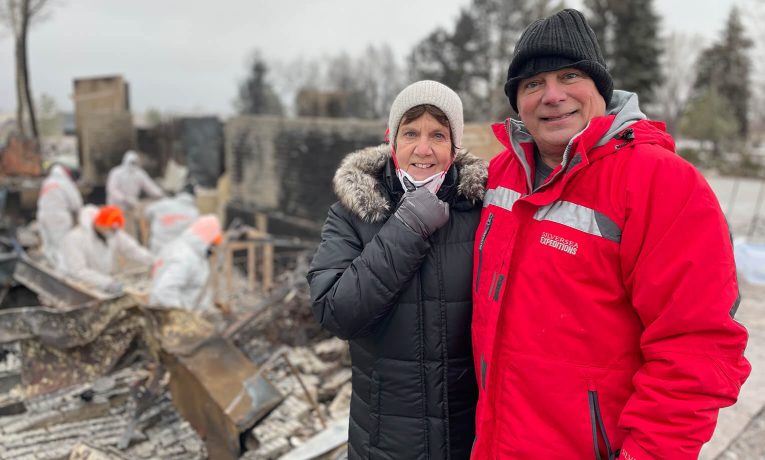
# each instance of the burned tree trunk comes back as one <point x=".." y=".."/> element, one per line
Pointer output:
<point x="22" y="69"/>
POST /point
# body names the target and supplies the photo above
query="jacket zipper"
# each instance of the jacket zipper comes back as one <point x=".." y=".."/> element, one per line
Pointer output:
<point x="596" y="420"/>
<point x="626" y="135"/>
<point x="480" y="248"/>
<point x="421" y="362"/>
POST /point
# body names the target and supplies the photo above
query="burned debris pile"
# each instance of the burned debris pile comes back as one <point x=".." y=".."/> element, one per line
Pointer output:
<point x="86" y="376"/>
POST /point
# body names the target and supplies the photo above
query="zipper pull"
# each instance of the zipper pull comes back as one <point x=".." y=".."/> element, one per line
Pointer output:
<point x="627" y="135"/>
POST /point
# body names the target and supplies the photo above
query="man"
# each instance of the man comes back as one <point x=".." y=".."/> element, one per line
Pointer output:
<point x="604" y="281"/>
<point x="169" y="217"/>
<point x="90" y="250"/>
<point x="124" y="186"/>
<point x="126" y="182"/>
<point x="180" y="275"/>
<point x="57" y="204"/>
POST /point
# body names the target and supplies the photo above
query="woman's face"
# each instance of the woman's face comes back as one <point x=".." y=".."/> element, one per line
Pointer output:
<point x="423" y="147"/>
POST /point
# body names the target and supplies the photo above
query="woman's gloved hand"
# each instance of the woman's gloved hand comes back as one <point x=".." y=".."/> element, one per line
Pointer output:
<point x="422" y="211"/>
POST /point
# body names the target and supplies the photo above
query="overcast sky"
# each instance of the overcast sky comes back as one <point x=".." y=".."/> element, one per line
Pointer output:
<point x="188" y="56"/>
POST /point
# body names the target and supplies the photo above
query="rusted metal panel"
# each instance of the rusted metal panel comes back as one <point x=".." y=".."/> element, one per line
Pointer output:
<point x="47" y="368"/>
<point x="64" y="329"/>
<point x="61" y="348"/>
<point x="21" y="157"/>
<point x="49" y="285"/>
<point x="221" y="393"/>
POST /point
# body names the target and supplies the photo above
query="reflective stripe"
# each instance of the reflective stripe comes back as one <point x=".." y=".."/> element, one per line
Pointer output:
<point x="502" y="197"/>
<point x="581" y="218"/>
<point x="565" y="213"/>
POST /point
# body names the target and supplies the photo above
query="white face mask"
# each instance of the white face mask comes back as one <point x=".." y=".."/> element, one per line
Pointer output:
<point x="432" y="183"/>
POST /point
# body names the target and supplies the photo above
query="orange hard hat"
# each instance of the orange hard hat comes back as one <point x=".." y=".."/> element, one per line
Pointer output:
<point x="110" y="216"/>
<point x="207" y="228"/>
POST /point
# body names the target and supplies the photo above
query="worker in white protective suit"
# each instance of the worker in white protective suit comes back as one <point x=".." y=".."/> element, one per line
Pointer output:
<point x="57" y="205"/>
<point x="169" y="217"/>
<point x="90" y="250"/>
<point x="126" y="182"/>
<point x="180" y="275"/>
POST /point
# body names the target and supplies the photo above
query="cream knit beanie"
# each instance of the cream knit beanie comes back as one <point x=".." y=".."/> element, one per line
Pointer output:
<point x="432" y="93"/>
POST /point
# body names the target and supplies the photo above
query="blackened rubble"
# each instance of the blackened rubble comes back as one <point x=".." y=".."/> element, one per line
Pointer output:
<point x="308" y="367"/>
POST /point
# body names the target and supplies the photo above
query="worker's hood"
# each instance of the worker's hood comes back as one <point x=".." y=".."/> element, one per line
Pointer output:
<point x="202" y="234"/>
<point x="59" y="172"/>
<point x="86" y="216"/>
<point x="130" y="159"/>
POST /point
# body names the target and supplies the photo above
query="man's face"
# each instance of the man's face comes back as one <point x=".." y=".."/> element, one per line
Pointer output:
<point x="557" y="105"/>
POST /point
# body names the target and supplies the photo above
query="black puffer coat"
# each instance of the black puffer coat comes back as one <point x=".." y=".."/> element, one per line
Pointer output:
<point x="405" y="305"/>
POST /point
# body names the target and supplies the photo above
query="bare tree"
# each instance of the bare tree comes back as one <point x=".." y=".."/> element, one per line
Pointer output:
<point x="674" y="89"/>
<point x="341" y="84"/>
<point x="755" y="21"/>
<point x="18" y="16"/>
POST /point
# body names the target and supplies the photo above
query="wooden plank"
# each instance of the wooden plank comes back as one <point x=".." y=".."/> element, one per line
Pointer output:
<point x="251" y="266"/>
<point x="268" y="266"/>
<point x="334" y="436"/>
<point x="261" y="222"/>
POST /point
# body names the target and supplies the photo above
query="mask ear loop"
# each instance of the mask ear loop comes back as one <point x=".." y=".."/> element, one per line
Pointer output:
<point x="451" y="162"/>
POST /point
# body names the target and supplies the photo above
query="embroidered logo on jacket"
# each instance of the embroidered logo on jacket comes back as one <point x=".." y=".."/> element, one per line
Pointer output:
<point x="561" y="244"/>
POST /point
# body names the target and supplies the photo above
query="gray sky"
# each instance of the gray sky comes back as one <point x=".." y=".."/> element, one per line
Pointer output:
<point x="188" y="56"/>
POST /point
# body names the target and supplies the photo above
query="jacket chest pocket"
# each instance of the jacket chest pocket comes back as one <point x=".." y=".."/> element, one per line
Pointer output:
<point x="574" y="236"/>
<point x="494" y="240"/>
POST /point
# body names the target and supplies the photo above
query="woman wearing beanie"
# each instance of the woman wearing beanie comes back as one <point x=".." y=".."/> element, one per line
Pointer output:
<point x="393" y="276"/>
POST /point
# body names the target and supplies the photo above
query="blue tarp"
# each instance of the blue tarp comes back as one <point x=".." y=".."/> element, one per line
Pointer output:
<point x="750" y="260"/>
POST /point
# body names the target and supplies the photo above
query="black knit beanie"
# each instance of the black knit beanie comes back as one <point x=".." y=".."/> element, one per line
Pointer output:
<point x="562" y="40"/>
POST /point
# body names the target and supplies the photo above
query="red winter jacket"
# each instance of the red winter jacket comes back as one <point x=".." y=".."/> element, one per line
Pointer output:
<point x="603" y="301"/>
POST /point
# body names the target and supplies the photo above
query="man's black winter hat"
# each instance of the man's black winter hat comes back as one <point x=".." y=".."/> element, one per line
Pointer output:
<point x="562" y="40"/>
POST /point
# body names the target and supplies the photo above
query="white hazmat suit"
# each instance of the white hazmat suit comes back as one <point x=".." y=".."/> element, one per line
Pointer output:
<point x="57" y="203"/>
<point x="126" y="182"/>
<point x="168" y="218"/>
<point x="93" y="260"/>
<point x="181" y="273"/>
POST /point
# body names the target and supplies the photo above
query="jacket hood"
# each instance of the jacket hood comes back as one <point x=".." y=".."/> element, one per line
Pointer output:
<point x="59" y="172"/>
<point x="185" y="197"/>
<point x="130" y="159"/>
<point x="86" y="216"/>
<point x="358" y="188"/>
<point x="200" y="235"/>
<point x="626" y="111"/>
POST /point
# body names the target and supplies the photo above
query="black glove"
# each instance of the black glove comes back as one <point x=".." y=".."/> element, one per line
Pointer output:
<point x="422" y="211"/>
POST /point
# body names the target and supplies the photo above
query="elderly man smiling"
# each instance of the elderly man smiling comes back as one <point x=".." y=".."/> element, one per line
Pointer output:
<point x="604" y="281"/>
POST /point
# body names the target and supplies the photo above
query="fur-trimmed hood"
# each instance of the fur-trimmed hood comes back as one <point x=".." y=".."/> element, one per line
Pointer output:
<point x="357" y="181"/>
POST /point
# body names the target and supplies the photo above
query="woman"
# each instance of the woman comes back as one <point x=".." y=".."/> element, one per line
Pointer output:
<point x="393" y="274"/>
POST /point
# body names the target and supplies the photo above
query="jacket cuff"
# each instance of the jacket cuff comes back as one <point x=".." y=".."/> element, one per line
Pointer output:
<point x="632" y="451"/>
